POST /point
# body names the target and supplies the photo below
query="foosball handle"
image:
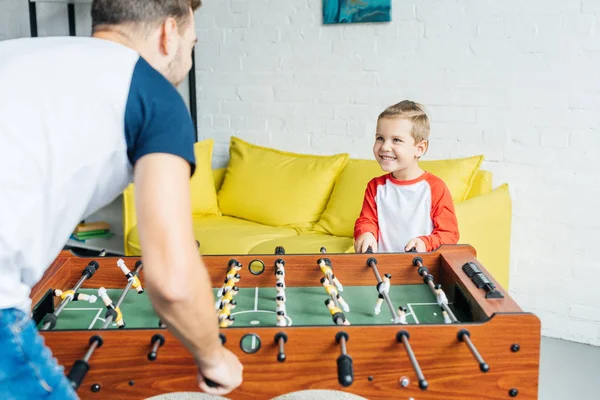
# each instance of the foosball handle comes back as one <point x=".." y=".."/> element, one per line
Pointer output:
<point x="369" y="250"/>
<point x="81" y="367"/>
<point x="78" y="373"/>
<point x="345" y="373"/>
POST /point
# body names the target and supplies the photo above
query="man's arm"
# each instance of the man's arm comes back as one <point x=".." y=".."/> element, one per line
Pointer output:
<point x="178" y="284"/>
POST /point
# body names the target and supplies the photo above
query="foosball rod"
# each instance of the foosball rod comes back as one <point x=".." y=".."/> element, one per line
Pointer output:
<point x="81" y="366"/>
<point x="110" y="317"/>
<point x="428" y="278"/>
<point x="86" y="274"/>
<point x="403" y="337"/>
<point x="372" y="262"/>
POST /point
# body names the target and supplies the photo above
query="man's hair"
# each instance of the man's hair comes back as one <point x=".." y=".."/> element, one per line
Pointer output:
<point x="140" y="12"/>
<point x="415" y="113"/>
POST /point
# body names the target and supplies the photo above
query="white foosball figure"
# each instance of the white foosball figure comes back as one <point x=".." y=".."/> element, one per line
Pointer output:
<point x="441" y="296"/>
<point x="382" y="287"/>
<point x="447" y="319"/>
<point x="281" y="293"/>
<point x="280" y="274"/>
<point x="281" y="321"/>
<point x="280" y="302"/>
<point x="280" y="282"/>
<point x="401" y="315"/>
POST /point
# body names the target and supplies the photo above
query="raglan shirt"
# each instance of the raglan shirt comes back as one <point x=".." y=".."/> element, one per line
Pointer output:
<point x="76" y="114"/>
<point x="397" y="211"/>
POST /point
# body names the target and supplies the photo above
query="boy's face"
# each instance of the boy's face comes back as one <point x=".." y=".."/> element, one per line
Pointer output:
<point x="394" y="148"/>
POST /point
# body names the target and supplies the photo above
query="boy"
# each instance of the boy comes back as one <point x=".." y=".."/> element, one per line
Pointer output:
<point x="408" y="208"/>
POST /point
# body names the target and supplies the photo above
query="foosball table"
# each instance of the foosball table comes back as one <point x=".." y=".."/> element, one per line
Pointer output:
<point x="392" y="325"/>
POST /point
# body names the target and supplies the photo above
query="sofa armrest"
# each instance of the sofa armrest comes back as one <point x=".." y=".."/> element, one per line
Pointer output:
<point x="129" y="216"/>
<point x="485" y="222"/>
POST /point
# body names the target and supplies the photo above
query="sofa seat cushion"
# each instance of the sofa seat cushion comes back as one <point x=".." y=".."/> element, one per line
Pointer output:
<point x="277" y="188"/>
<point x="225" y="235"/>
<point x="306" y="243"/>
<point x="347" y="197"/>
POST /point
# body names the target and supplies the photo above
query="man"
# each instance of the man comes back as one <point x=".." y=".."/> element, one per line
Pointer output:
<point x="80" y="118"/>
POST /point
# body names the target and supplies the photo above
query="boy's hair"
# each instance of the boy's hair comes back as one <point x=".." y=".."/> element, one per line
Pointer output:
<point x="415" y="113"/>
<point x="143" y="13"/>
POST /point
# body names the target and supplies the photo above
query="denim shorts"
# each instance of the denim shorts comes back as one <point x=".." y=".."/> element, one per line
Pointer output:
<point x="27" y="368"/>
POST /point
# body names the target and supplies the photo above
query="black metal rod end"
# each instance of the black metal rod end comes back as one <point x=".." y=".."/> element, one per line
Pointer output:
<point x="400" y="334"/>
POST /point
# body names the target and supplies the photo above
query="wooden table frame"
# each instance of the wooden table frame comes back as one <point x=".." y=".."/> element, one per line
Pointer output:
<point x="507" y="338"/>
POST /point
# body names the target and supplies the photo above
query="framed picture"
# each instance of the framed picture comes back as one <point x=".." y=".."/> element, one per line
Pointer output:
<point x="352" y="11"/>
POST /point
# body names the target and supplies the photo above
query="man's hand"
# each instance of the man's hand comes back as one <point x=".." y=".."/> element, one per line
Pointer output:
<point x="417" y="243"/>
<point x="225" y="371"/>
<point x="364" y="241"/>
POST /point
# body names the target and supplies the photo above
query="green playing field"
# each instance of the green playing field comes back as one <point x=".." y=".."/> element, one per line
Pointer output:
<point x="305" y="306"/>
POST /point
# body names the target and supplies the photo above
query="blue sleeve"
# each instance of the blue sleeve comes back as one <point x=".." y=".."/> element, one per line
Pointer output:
<point x="156" y="118"/>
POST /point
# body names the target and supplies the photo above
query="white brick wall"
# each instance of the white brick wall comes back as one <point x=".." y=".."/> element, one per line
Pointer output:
<point x="517" y="81"/>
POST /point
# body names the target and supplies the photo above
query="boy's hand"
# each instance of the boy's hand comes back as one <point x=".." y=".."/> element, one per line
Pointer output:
<point x="364" y="241"/>
<point x="416" y="243"/>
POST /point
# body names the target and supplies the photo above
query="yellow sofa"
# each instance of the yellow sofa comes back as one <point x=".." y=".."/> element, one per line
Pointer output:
<point x="266" y="198"/>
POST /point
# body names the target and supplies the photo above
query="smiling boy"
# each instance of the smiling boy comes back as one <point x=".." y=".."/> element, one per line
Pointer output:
<point x="407" y="208"/>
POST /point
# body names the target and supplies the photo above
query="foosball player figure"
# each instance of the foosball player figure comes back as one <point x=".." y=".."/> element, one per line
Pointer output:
<point x="401" y="315"/>
<point x="279" y="265"/>
<point x="234" y="268"/>
<point x="131" y="277"/>
<point x="441" y="296"/>
<point x="280" y="274"/>
<point x="225" y="310"/>
<point x="281" y="319"/>
<point x="325" y="265"/>
<point x="227" y="297"/>
<point x="280" y="282"/>
<point x="227" y="321"/>
<point x="111" y="306"/>
<point x="280" y="302"/>
<point x="90" y="298"/>
<point x="280" y="286"/>
<point x="333" y="292"/>
<point x="382" y="287"/>
<point x="228" y="284"/>
<point x="447" y="319"/>
<point x="336" y="313"/>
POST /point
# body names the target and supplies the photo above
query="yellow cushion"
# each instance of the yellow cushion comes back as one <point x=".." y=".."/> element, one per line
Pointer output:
<point x="218" y="176"/>
<point x="224" y="235"/>
<point x="484" y="222"/>
<point x="457" y="173"/>
<point x="482" y="184"/>
<point x="202" y="184"/>
<point x="275" y="187"/>
<point x="305" y="243"/>
<point x="347" y="197"/>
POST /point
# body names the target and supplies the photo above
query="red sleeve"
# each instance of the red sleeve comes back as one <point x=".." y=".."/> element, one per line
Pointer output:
<point x="445" y="224"/>
<point x="367" y="221"/>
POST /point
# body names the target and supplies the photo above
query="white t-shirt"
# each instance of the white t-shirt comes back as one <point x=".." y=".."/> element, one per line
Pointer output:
<point x="75" y="115"/>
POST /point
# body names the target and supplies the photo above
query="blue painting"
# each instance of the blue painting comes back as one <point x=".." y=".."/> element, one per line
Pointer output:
<point x="350" y="11"/>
